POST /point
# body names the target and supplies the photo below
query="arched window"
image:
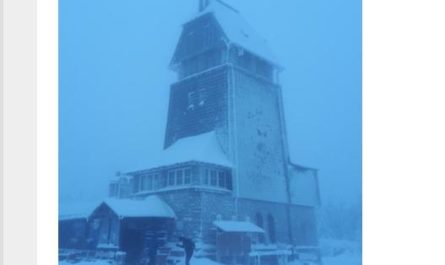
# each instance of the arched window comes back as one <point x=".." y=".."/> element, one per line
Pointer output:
<point x="271" y="228"/>
<point x="260" y="223"/>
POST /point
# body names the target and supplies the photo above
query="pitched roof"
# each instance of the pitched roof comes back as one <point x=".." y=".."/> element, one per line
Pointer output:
<point x="152" y="206"/>
<point x="238" y="227"/>
<point x="204" y="148"/>
<point x="238" y="31"/>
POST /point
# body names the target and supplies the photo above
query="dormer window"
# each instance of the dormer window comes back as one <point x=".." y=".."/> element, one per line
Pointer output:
<point x="192" y="98"/>
<point x="201" y="97"/>
<point x="196" y="99"/>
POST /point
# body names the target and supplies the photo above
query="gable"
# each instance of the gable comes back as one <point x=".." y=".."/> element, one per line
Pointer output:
<point x="198" y="36"/>
<point x="217" y="26"/>
<point x="240" y="33"/>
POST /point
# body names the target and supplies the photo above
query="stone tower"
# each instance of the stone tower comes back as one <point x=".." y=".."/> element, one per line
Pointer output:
<point x="227" y="83"/>
<point x="225" y="139"/>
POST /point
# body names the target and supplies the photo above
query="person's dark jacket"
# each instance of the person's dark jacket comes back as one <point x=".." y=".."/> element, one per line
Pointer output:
<point x="187" y="244"/>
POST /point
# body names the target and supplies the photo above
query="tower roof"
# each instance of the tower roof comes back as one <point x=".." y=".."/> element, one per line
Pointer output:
<point x="237" y="31"/>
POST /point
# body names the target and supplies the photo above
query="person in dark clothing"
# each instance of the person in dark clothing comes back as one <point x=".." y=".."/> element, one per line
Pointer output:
<point x="189" y="246"/>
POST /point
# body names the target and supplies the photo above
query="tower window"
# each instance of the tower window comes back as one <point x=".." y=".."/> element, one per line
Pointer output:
<point x="187" y="176"/>
<point x="221" y="179"/>
<point x="206" y="177"/>
<point x="179" y="178"/>
<point x="196" y="99"/>
<point x="213" y="178"/>
<point x="201" y="97"/>
<point x="162" y="181"/>
<point x="229" y="181"/>
<point x="192" y="100"/>
<point x="147" y="182"/>
<point x="156" y="182"/>
<point x="171" y="178"/>
<point x="136" y="184"/>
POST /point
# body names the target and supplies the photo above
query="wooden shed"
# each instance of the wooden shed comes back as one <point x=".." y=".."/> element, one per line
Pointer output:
<point x="131" y="226"/>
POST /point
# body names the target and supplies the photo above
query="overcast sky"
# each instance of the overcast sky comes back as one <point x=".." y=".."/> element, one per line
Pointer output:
<point x="114" y="85"/>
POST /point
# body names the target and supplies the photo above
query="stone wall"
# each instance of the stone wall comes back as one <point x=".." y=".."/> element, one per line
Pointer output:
<point x="278" y="212"/>
<point x="196" y="210"/>
<point x="260" y="159"/>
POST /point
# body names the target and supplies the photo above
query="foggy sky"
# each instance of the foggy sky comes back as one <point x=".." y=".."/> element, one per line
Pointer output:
<point x="114" y="85"/>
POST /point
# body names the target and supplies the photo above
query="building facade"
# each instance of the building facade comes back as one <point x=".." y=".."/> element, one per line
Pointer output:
<point x="225" y="162"/>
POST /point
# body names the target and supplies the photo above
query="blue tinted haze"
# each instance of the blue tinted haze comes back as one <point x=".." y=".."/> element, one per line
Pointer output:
<point x="114" y="85"/>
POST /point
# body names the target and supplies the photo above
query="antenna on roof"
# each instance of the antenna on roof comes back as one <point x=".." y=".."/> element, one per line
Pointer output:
<point x="203" y="4"/>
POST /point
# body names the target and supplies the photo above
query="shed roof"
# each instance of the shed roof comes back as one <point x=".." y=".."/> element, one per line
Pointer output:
<point x="304" y="188"/>
<point x="76" y="210"/>
<point x="238" y="31"/>
<point x="238" y="227"/>
<point x="152" y="206"/>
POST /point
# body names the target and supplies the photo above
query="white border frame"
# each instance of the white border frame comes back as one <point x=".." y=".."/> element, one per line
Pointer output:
<point x="404" y="132"/>
<point x="19" y="107"/>
<point x="19" y="117"/>
<point x="403" y="106"/>
<point x="47" y="132"/>
<point x="29" y="236"/>
<point x="1" y="133"/>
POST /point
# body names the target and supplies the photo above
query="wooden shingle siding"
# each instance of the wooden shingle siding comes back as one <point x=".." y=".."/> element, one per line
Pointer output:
<point x="198" y="36"/>
<point x="186" y="120"/>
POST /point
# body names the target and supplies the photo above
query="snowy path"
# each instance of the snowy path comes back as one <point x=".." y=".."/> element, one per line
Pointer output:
<point x="339" y="260"/>
<point x="192" y="262"/>
<point x="343" y="260"/>
<point x="85" y="263"/>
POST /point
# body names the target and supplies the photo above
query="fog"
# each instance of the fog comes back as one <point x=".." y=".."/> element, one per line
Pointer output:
<point x="114" y="85"/>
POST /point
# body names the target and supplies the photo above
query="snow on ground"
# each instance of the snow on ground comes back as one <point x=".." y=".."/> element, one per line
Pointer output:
<point x="338" y="260"/>
<point x="202" y="261"/>
<point x="192" y="262"/>
<point x="99" y="262"/>
<point x="346" y="259"/>
<point x="340" y="252"/>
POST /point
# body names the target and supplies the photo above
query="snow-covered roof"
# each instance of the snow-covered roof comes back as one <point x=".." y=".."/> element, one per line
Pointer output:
<point x="238" y="227"/>
<point x="304" y="185"/>
<point x="204" y="148"/>
<point x="238" y="31"/>
<point x="76" y="210"/>
<point x="152" y="206"/>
